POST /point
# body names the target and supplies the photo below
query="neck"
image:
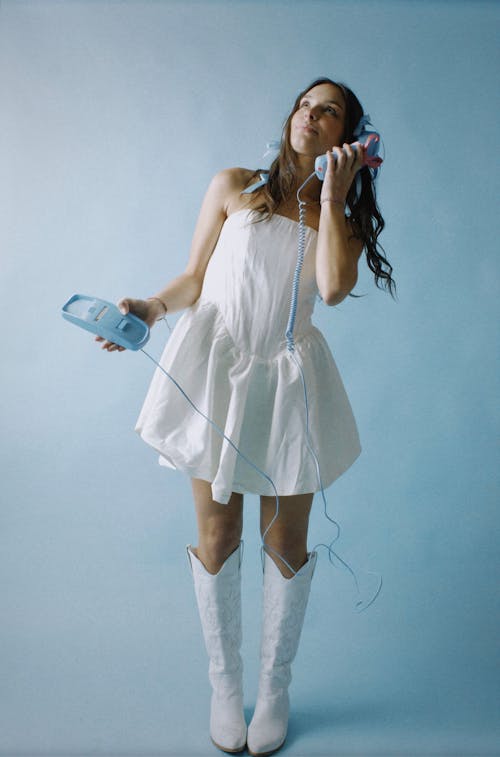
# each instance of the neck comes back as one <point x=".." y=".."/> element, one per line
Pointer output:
<point x="305" y="167"/>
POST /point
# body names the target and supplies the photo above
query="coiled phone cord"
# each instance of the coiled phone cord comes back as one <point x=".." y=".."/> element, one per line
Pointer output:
<point x="360" y="605"/>
<point x="290" y="344"/>
<point x="291" y="349"/>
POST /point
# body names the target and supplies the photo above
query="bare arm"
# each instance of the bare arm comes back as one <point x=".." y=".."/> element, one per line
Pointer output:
<point x="337" y="255"/>
<point x="184" y="290"/>
<point x="337" y="250"/>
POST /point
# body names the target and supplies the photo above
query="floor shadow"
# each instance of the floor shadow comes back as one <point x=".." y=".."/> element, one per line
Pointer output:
<point x="325" y="717"/>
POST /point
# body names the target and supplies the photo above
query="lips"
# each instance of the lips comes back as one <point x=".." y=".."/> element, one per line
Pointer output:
<point x="308" y="129"/>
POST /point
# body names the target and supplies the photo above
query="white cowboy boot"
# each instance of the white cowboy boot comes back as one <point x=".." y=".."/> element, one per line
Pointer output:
<point x="219" y="604"/>
<point x="284" y="606"/>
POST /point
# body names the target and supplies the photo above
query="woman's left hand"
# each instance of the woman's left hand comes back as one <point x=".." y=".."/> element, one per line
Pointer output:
<point x="340" y="173"/>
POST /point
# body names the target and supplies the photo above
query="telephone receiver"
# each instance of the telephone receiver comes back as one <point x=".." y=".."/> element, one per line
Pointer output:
<point x="370" y="139"/>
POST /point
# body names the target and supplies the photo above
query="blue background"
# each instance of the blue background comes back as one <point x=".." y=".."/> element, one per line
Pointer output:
<point x="115" y="115"/>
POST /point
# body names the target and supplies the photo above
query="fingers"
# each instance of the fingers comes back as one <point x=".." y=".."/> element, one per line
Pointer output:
<point x="109" y="346"/>
<point x="123" y="305"/>
<point x="359" y="155"/>
<point x="340" y="156"/>
<point x="347" y="156"/>
<point x="343" y="163"/>
<point x="337" y="157"/>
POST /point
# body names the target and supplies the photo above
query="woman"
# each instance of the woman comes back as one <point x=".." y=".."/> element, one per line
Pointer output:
<point x="229" y="353"/>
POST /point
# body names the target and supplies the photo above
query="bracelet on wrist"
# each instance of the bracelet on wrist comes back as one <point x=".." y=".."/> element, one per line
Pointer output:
<point x="335" y="200"/>
<point x="165" y="309"/>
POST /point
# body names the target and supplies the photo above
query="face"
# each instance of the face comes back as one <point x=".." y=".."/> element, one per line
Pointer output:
<point x="318" y="124"/>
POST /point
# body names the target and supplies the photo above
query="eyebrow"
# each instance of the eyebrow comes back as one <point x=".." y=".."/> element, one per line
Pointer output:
<point x="334" y="102"/>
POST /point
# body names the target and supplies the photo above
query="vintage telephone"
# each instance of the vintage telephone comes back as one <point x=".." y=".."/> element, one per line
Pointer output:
<point x="370" y="139"/>
<point x="105" y="319"/>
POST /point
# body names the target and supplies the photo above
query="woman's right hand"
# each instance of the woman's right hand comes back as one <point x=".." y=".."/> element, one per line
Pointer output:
<point x="148" y="311"/>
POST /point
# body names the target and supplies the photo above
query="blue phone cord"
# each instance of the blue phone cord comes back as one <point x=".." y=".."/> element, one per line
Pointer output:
<point x="233" y="445"/>
<point x="290" y="344"/>
<point x="291" y="349"/>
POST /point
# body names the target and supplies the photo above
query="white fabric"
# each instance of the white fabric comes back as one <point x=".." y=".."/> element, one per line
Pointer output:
<point x="228" y="352"/>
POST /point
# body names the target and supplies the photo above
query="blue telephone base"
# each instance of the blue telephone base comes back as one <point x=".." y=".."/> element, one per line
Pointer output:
<point x="104" y="319"/>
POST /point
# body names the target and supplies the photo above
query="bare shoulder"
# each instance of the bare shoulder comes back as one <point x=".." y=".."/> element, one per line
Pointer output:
<point x="220" y="200"/>
<point x="228" y="185"/>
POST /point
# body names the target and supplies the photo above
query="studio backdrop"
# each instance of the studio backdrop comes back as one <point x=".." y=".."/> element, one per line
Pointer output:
<point x="114" y="118"/>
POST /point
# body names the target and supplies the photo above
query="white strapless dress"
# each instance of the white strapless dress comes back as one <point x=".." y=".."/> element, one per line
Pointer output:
<point x="228" y="352"/>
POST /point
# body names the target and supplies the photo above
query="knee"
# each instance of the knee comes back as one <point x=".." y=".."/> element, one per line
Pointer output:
<point x="285" y="536"/>
<point x="217" y="543"/>
<point x="287" y="549"/>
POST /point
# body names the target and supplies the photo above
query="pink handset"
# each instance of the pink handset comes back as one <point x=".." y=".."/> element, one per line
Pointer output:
<point x="370" y="139"/>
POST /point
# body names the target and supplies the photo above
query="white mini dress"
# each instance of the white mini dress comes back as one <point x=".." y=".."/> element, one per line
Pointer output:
<point x="228" y="352"/>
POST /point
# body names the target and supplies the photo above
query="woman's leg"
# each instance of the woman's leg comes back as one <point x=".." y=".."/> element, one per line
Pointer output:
<point x="288" y="535"/>
<point x="219" y="526"/>
<point x="217" y="583"/>
<point x="284" y="604"/>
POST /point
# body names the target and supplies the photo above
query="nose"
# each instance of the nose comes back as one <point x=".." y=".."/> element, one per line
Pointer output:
<point x="311" y="114"/>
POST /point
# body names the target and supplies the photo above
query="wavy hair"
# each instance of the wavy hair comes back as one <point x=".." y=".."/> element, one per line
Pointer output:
<point x="365" y="217"/>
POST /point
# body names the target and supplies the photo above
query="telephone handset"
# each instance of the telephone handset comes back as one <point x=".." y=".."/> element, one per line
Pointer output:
<point x="370" y="139"/>
<point x="106" y="320"/>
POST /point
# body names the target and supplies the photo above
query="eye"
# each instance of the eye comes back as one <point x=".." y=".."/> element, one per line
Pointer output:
<point x="304" y="103"/>
<point x="331" y="110"/>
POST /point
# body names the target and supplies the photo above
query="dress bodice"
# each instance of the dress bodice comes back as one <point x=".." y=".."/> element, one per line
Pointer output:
<point x="249" y="278"/>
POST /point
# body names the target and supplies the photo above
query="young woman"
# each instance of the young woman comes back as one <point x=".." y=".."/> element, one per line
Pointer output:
<point x="229" y="353"/>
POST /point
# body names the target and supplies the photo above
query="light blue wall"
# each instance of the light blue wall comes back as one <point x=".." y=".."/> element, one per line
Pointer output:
<point x="114" y="117"/>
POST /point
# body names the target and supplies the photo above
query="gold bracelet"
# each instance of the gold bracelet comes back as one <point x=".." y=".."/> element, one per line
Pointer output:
<point x="164" y="306"/>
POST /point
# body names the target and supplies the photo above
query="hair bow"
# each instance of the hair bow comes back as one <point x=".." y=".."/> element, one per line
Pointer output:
<point x="360" y="128"/>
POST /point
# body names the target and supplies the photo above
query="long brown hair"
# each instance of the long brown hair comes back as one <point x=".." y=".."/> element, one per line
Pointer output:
<point x="365" y="217"/>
